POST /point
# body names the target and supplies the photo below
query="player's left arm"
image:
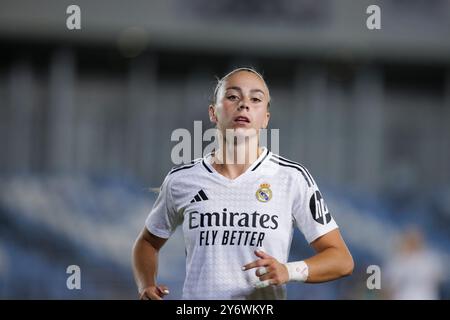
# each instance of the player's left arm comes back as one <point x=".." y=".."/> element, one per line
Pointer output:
<point x="331" y="261"/>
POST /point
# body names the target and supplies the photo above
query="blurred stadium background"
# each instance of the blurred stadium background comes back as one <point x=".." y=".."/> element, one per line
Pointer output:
<point x="86" y="118"/>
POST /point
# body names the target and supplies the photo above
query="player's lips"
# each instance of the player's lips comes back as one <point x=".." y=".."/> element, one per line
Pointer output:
<point x="242" y="119"/>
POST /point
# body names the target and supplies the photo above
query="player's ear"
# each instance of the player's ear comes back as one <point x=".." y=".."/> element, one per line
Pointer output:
<point x="266" y="120"/>
<point x="212" y="113"/>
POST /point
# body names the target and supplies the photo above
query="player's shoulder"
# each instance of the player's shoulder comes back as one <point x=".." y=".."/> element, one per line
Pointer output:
<point x="292" y="168"/>
<point x="181" y="174"/>
<point x="184" y="169"/>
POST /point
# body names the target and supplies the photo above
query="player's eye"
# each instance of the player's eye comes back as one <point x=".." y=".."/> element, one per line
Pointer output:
<point x="256" y="100"/>
<point x="232" y="97"/>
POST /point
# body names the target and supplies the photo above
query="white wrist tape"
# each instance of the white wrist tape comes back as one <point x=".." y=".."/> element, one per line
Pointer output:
<point x="298" y="271"/>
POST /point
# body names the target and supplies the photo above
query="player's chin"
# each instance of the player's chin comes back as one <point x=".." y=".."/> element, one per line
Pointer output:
<point x="245" y="131"/>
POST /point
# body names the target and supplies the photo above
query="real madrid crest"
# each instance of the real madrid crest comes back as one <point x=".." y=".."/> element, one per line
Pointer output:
<point x="264" y="194"/>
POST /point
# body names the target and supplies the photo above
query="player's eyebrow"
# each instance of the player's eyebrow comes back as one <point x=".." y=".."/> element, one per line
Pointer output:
<point x="240" y="90"/>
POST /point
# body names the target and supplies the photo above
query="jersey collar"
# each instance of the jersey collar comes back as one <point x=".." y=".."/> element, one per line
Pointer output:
<point x="206" y="162"/>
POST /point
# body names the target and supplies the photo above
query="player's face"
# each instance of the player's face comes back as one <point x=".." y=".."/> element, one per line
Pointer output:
<point x="242" y="103"/>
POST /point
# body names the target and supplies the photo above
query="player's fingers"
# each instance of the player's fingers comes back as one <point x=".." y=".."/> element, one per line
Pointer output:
<point x="262" y="284"/>
<point x="154" y="296"/>
<point x="256" y="263"/>
<point x="261" y="254"/>
<point x="164" y="290"/>
<point x="146" y="295"/>
<point x="267" y="276"/>
<point x="150" y="294"/>
<point x="261" y="271"/>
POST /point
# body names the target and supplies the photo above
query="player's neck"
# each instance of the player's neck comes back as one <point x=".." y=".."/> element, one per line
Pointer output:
<point x="233" y="159"/>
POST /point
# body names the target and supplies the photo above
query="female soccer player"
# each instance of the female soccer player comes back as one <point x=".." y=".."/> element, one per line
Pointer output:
<point x="238" y="216"/>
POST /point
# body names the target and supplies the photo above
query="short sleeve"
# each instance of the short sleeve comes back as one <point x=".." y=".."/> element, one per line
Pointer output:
<point x="163" y="219"/>
<point x="310" y="212"/>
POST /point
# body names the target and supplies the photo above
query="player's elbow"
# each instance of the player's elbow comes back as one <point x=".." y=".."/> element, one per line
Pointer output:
<point x="347" y="265"/>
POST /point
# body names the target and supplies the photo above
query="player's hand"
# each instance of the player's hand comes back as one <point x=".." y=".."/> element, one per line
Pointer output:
<point x="154" y="293"/>
<point x="269" y="272"/>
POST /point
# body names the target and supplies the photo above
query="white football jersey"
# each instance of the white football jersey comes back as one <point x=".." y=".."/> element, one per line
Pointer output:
<point x="224" y="221"/>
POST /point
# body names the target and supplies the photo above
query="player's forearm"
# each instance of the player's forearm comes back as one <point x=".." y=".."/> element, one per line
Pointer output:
<point x="332" y="263"/>
<point x="145" y="264"/>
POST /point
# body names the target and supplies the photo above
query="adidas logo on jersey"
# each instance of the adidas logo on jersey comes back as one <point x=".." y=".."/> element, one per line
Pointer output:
<point x="200" y="196"/>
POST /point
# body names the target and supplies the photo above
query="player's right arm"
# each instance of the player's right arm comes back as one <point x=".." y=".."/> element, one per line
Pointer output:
<point x="145" y="266"/>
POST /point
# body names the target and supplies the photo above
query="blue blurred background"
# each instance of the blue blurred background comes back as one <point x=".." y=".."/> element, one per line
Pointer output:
<point x="86" y="118"/>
